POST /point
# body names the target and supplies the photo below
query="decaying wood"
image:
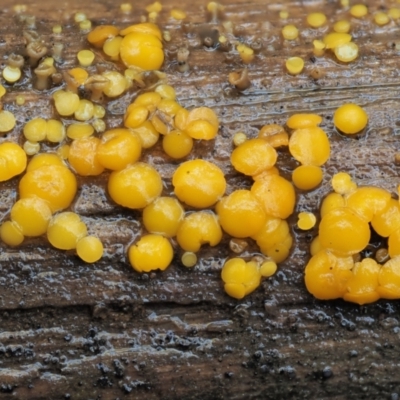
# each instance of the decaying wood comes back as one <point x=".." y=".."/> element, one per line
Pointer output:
<point x="72" y="330"/>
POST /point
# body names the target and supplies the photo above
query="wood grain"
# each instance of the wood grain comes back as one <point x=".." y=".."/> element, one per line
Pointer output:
<point x="72" y="330"/>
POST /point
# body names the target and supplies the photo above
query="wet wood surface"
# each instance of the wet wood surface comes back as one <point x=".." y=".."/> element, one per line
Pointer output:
<point x="72" y="330"/>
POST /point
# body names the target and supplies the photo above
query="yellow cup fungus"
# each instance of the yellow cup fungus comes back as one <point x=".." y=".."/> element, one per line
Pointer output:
<point x="240" y="214"/>
<point x="198" y="228"/>
<point x="276" y="195"/>
<point x="163" y="216"/>
<point x="199" y="183"/>
<point x="82" y="156"/>
<point x="240" y="277"/>
<point x="55" y="184"/>
<point x="118" y="148"/>
<point x="143" y="50"/>
<point x="310" y="146"/>
<point x="350" y="118"/>
<point x="135" y="186"/>
<point x="150" y="253"/>
<point x="253" y="156"/>
<point x="12" y="160"/>
<point x="89" y="249"/>
<point x="65" y="230"/>
<point x="32" y="215"/>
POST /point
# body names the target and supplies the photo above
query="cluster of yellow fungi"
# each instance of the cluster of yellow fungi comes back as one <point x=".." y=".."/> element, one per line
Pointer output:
<point x="201" y="211"/>
<point x="336" y="269"/>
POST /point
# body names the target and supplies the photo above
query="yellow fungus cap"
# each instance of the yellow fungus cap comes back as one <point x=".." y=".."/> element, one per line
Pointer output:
<point x="335" y="39"/>
<point x="294" y="65"/>
<point x="316" y="20"/>
<point x="290" y="32"/>
<point x="306" y="220"/>
<point x="350" y="118"/>
<point x="359" y="10"/>
<point x="85" y="57"/>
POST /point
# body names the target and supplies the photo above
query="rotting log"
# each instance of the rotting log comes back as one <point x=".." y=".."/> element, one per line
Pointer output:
<point x="72" y="330"/>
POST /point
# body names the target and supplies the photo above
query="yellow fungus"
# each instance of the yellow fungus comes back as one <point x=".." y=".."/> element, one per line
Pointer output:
<point x="166" y="92"/>
<point x="240" y="278"/>
<point x="283" y="14"/>
<point x="189" y="259"/>
<point x="147" y="134"/>
<point x="319" y="47"/>
<point x="35" y="130"/>
<point x="163" y="216"/>
<point x="79" y="17"/>
<point x="290" y="32"/>
<point x="66" y="103"/>
<point x="268" y="268"/>
<point x="150" y="253"/>
<point x="11" y="74"/>
<point x="65" y="230"/>
<point x="10" y="233"/>
<point x="89" y="249"/>
<point x="7" y="121"/>
<point x="306" y="220"/>
<point x="201" y="123"/>
<point x="118" y="148"/>
<point x="239" y="138"/>
<point x="79" y="74"/>
<point x="294" y="65"/>
<point x="350" y="118"/>
<point x="253" y="156"/>
<point x="346" y="52"/>
<point x="85" y="57"/>
<point x="342" y="26"/>
<point x="307" y="177"/>
<point x="154" y="7"/>
<point x="316" y="20"/>
<point x="140" y="180"/>
<point x="343" y="232"/>
<point x="276" y="195"/>
<point x="299" y="121"/>
<point x="12" y="160"/>
<point x="199" y="228"/>
<point x="20" y="100"/>
<point x="177" y="144"/>
<point x="57" y="29"/>
<point x="112" y="45"/>
<point x="55" y="184"/>
<point x="394" y="13"/>
<point x="85" y="110"/>
<point x="310" y="146"/>
<point x="342" y="183"/>
<point x="359" y="10"/>
<point x="2" y="91"/>
<point x="381" y="18"/>
<point x="85" y="25"/>
<point x="143" y="50"/>
<point x="246" y="53"/>
<point x="101" y="33"/>
<point x="117" y="84"/>
<point x="55" y="131"/>
<point x="32" y="215"/>
<point x="83" y="158"/>
<point x="388" y="220"/>
<point x="31" y="148"/>
<point x="178" y="14"/>
<point x="368" y="201"/>
<point x="240" y="214"/>
<point x="125" y="7"/>
<point x="335" y="39"/>
<point x="79" y="130"/>
<point x="199" y="183"/>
